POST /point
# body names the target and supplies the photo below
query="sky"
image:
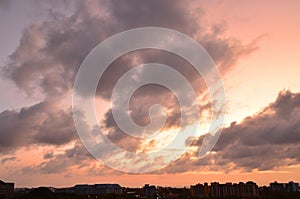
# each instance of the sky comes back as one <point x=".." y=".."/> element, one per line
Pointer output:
<point x="254" y="44"/>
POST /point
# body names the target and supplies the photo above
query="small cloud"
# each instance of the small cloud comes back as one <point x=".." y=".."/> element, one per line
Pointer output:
<point x="48" y="155"/>
<point x="4" y="160"/>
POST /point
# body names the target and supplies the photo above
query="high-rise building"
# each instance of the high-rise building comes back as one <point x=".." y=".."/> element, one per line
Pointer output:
<point x="227" y="189"/>
<point x="206" y="190"/>
<point x="217" y="190"/>
<point x="198" y="191"/>
<point x="275" y="186"/>
<point x="292" y="187"/>
<point x="251" y="190"/>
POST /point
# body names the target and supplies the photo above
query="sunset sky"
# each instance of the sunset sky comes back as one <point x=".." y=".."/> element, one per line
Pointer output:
<point x="255" y="45"/>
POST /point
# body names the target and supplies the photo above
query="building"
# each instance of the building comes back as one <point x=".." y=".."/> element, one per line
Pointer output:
<point x="235" y="190"/>
<point x="206" y="190"/>
<point x="284" y="187"/>
<point x="83" y="189"/>
<point x="292" y="187"/>
<point x="108" y="188"/>
<point x="96" y="189"/>
<point x="198" y="191"/>
<point x="250" y="190"/>
<point x="6" y="190"/>
<point x="227" y="189"/>
<point x="217" y="190"/>
<point x="277" y="187"/>
<point x="64" y="190"/>
<point x="149" y="191"/>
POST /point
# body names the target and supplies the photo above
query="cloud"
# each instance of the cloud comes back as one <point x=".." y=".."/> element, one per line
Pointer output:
<point x="4" y="160"/>
<point x="50" y="52"/>
<point x="264" y="141"/>
<point x="72" y="161"/>
<point x="48" y="155"/>
<point x="43" y="123"/>
<point x="76" y="155"/>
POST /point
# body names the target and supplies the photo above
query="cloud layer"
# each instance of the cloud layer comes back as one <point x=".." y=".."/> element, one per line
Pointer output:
<point x="265" y="141"/>
<point x="44" y="123"/>
<point x="50" y="52"/>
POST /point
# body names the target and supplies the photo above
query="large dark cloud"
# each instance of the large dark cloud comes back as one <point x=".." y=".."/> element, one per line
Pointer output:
<point x="50" y="52"/>
<point x="264" y="141"/>
<point x="44" y="123"/>
<point x="268" y="139"/>
<point x="156" y="13"/>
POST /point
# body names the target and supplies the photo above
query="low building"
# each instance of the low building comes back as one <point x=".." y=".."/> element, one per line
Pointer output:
<point x="83" y="189"/>
<point x="96" y="189"/>
<point x="64" y="190"/>
<point x="6" y="190"/>
<point x="108" y="188"/>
